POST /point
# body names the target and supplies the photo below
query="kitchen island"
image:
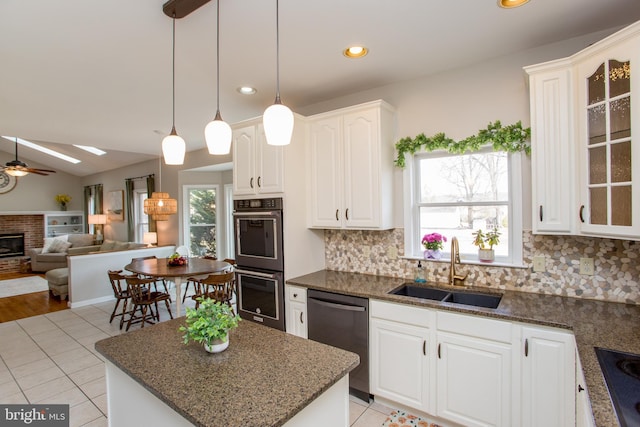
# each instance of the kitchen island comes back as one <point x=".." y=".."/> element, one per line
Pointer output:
<point x="265" y="378"/>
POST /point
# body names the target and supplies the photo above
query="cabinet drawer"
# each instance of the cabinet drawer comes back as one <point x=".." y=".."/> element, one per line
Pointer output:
<point x="295" y="293"/>
<point x="402" y="313"/>
<point x="475" y="326"/>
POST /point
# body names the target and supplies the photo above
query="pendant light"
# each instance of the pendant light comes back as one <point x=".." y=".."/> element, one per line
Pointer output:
<point x="173" y="146"/>
<point x="278" y="118"/>
<point x="217" y="133"/>
<point x="160" y="205"/>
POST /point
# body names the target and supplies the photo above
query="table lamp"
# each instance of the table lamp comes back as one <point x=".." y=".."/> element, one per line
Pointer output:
<point x="150" y="238"/>
<point x="99" y="220"/>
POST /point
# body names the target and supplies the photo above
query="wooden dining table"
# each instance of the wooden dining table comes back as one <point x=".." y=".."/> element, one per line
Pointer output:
<point x="158" y="268"/>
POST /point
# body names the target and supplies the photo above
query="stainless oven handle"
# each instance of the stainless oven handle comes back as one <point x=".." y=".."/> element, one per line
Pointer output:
<point x="336" y="305"/>
<point x="262" y="213"/>
<point x="255" y="273"/>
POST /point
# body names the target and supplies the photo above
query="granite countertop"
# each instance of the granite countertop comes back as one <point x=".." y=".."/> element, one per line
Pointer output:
<point x="594" y="323"/>
<point x="264" y="378"/>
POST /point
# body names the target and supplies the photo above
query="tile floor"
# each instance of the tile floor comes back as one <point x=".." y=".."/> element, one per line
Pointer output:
<point x="51" y="359"/>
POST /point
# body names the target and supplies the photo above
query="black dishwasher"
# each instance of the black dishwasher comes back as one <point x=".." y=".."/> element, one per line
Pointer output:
<point x="342" y="321"/>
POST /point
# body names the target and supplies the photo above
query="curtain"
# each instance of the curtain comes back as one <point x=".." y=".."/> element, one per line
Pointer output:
<point x="87" y="197"/>
<point x="151" y="187"/>
<point x="131" y="234"/>
<point x="98" y="208"/>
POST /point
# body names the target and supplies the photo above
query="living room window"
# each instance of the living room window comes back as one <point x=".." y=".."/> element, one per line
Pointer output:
<point x="457" y="194"/>
<point x="141" y="219"/>
<point x="200" y="222"/>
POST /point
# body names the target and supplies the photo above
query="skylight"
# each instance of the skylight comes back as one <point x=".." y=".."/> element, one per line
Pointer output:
<point x="42" y="149"/>
<point x="92" y="150"/>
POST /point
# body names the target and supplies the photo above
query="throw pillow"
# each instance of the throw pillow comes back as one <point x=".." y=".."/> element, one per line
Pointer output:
<point x="107" y="245"/>
<point x="121" y="246"/>
<point x="49" y="240"/>
<point x="59" y="246"/>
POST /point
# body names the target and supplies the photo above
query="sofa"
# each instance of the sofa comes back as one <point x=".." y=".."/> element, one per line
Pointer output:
<point x="55" y="250"/>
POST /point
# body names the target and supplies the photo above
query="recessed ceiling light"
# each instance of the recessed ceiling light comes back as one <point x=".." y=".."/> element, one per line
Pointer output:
<point x="43" y="149"/>
<point x="355" y="51"/>
<point x="92" y="150"/>
<point x="247" y="90"/>
<point x="510" y="4"/>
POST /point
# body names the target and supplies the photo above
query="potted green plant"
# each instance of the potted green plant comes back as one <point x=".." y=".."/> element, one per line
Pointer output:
<point x="485" y="243"/>
<point x="210" y="324"/>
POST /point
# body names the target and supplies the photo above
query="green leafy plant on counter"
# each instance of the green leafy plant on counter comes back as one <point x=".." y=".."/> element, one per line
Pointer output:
<point x="491" y="238"/>
<point x="211" y="321"/>
<point x="512" y="139"/>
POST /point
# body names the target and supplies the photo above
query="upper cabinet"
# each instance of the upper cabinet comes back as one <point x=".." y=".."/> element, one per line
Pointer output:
<point x="585" y="164"/>
<point x="257" y="166"/>
<point x="350" y="167"/>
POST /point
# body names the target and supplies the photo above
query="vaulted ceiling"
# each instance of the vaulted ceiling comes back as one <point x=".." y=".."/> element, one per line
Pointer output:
<point x="99" y="72"/>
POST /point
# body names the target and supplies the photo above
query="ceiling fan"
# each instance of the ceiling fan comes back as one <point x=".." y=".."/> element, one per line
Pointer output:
<point x="18" y="168"/>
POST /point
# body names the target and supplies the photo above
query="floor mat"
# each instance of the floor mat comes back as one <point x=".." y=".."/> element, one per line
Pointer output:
<point x="403" y="419"/>
<point x="23" y="285"/>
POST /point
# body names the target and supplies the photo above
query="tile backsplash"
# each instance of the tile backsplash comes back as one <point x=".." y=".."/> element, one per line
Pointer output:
<point x="616" y="277"/>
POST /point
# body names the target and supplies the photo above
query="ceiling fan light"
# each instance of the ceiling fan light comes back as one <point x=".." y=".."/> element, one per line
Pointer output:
<point x="278" y="124"/>
<point x="217" y="134"/>
<point x="173" y="148"/>
<point x="16" y="172"/>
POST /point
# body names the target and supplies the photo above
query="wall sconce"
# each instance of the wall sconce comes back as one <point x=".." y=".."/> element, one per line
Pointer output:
<point x="98" y="220"/>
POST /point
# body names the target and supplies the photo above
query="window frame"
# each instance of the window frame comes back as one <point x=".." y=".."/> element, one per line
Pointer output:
<point x="412" y="245"/>
<point x="186" y="235"/>
<point x="138" y="213"/>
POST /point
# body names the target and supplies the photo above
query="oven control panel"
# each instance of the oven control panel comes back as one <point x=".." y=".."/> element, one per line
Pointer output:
<point x="258" y="204"/>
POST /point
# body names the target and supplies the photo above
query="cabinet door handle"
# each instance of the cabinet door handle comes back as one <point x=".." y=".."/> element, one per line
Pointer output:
<point x="301" y="321"/>
<point x="251" y="182"/>
<point x="337" y="217"/>
<point x="259" y="184"/>
<point x="439" y="351"/>
<point x="540" y="213"/>
<point x="346" y="214"/>
<point x="581" y="211"/>
<point x="580" y="388"/>
<point x="295" y="295"/>
<point x="526" y="347"/>
<point x="424" y="347"/>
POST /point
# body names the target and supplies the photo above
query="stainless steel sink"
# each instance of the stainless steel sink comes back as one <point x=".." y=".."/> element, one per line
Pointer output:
<point x="467" y="298"/>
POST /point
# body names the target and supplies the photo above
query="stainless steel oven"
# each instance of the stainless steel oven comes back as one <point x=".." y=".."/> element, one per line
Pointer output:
<point x="260" y="260"/>
<point x="258" y="233"/>
<point x="261" y="297"/>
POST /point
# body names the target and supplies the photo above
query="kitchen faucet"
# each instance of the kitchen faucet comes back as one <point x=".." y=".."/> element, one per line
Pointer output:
<point x="455" y="279"/>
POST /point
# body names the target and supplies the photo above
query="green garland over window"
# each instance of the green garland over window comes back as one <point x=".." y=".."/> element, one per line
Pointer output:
<point x="512" y="139"/>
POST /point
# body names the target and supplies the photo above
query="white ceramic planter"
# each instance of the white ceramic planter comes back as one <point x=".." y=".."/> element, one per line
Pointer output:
<point x="486" y="255"/>
<point x="217" y="346"/>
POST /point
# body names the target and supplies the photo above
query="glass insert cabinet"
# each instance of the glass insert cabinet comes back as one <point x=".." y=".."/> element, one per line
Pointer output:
<point x="585" y="158"/>
<point x="610" y="164"/>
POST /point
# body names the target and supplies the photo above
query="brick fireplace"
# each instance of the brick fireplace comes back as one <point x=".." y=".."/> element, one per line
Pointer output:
<point x="33" y="228"/>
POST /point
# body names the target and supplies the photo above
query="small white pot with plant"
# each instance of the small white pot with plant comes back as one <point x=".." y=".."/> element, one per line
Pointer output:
<point x="485" y="243"/>
<point x="210" y="324"/>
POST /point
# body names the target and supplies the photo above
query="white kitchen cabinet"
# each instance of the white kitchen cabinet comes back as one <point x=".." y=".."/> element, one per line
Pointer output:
<point x="608" y="91"/>
<point x="582" y="119"/>
<point x="257" y="166"/>
<point x="553" y="155"/>
<point x="474" y="370"/>
<point x="548" y="377"/>
<point x="296" y="310"/>
<point x="350" y="167"/>
<point x="401" y="351"/>
<point x="63" y="222"/>
<point x="584" y="413"/>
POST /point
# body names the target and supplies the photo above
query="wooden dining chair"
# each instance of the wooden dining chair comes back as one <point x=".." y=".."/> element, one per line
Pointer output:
<point x="121" y="293"/>
<point x="218" y="287"/>
<point x="144" y="299"/>
<point x="156" y="279"/>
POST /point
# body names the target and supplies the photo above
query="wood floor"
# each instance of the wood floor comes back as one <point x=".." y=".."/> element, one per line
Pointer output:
<point x="27" y="305"/>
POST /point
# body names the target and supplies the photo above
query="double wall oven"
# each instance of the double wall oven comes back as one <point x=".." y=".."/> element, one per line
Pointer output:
<point x="260" y="260"/>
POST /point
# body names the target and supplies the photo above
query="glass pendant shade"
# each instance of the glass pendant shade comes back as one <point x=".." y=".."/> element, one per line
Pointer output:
<point x="173" y="148"/>
<point x="16" y="172"/>
<point x="160" y="206"/>
<point x="278" y="124"/>
<point x="217" y="134"/>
